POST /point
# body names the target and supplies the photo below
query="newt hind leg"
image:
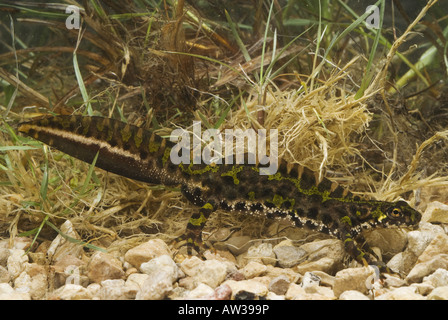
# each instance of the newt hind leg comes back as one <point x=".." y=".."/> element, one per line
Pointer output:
<point x="363" y="253"/>
<point x="193" y="233"/>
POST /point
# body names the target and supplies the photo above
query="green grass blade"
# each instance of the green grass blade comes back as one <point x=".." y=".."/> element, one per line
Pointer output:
<point x="263" y="50"/>
<point x="16" y="148"/>
<point x="73" y="240"/>
<point x="238" y="40"/>
<point x="44" y="185"/>
<point x="81" y="84"/>
<point x="36" y="232"/>
<point x="347" y="30"/>
<point x="368" y="74"/>
<point x="89" y="174"/>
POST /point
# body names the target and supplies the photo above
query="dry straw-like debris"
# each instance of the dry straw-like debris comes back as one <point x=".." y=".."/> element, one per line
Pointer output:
<point x="315" y="126"/>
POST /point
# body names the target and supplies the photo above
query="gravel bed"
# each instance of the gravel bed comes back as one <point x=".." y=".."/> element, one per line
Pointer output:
<point x="283" y="271"/>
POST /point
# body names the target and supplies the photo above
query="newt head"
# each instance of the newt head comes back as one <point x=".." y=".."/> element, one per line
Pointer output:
<point x="400" y="214"/>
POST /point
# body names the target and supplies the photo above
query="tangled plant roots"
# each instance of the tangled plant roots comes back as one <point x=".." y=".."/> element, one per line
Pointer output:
<point x="315" y="126"/>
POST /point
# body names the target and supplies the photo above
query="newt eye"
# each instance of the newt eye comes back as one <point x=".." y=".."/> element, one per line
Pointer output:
<point x="396" y="212"/>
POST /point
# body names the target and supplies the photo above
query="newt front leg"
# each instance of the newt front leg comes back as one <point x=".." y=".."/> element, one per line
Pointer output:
<point x="193" y="232"/>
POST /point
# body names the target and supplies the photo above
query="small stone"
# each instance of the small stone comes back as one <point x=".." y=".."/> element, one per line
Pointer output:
<point x="68" y="260"/>
<point x="418" y="240"/>
<point x="289" y="256"/>
<point x="43" y="247"/>
<point x="33" y="280"/>
<point x="330" y="248"/>
<point x="294" y="290"/>
<point x="425" y="268"/>
<point x="4" y="275"/>
<point x="263" y="280"/>
<point x="23" y="243"/>
<point x="324" y="293"/>
<point x="188" y="283"/>
<point x="245" y="295"/>
<point x="422" y="288"/>
<point x="135" y="281"/>
<point x="439" y="278"/>
<point x="94" y="290"/>
<point x="440" y="293"/>
<point x="4" y="254"/>
<point x="8" y="293"/>
<point x="71" y="292"/>
<point x="352" y="279"/>
<point x="353" y="295"/>
<point x="438" y="245"/>
<point x="71" y="274"/>
<point x="236" y="275"/>
<point x="163" y="262"/>
<point x="60" y="246"/>
<point x="224" y="256"/>
<point x="389" y="241"/>
<point x="310" y="280"/>
<point x="402" y="262"/>
<point x="223" y="292"/>
<point x="327" y="265"/>
<point x="162" y="272"/>
<point x="238" y="244"/>
<point x="323" y="255"/>
<point x="146" y="251"/>
<point x="115" y="289"/>
<point x="279" y="285"/>
<point x="202" y="291"/>
<point x="69" y="269"/>
<point x="328" y="295"/>
<point x="403" y="293"/>
<point x="436" y="212"/>
<point x="211" y="273"/>
<point x="393" y="281"/>
<point x="325" y="278"/>
<point x="253" y="286"/>
<point x="37" y="257"/>
<point x="102" y="266"/>
<point x="311" y="284"/>
<point x="22" y="282"/>
<point x="156" y="287"/>
<point x="16" y="262"/>
<point x="218" y="236"/>
<point x="253" y="269"/>
<point x="273" y="272"/>
<point x="190" y="265"/>
<point x="178" y="293"/>
<point x="130" y="270"/>
<point x="262" y="251"/>
<point x="5" y="288"/>
<point x="272" y="296"/>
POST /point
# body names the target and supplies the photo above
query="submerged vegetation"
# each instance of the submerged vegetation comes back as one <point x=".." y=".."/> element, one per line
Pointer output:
<point x="366" y="106"/>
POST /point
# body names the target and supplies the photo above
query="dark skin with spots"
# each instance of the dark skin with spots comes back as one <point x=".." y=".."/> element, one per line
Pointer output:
<point x="292" y="193"/>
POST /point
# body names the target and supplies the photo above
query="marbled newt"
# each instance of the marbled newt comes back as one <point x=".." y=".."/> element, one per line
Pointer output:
<point x="291" y="193"/>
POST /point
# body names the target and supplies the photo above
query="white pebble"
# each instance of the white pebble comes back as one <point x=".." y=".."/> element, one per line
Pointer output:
<point x="162" y="263"/>
<point x="438" y="278"/>
<point x="353" y="295"/>
<point x="200" y="292"/>
<point x="440" y="293"/>
<point x="156" y="287"/>
<point x="16" y="262"/>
